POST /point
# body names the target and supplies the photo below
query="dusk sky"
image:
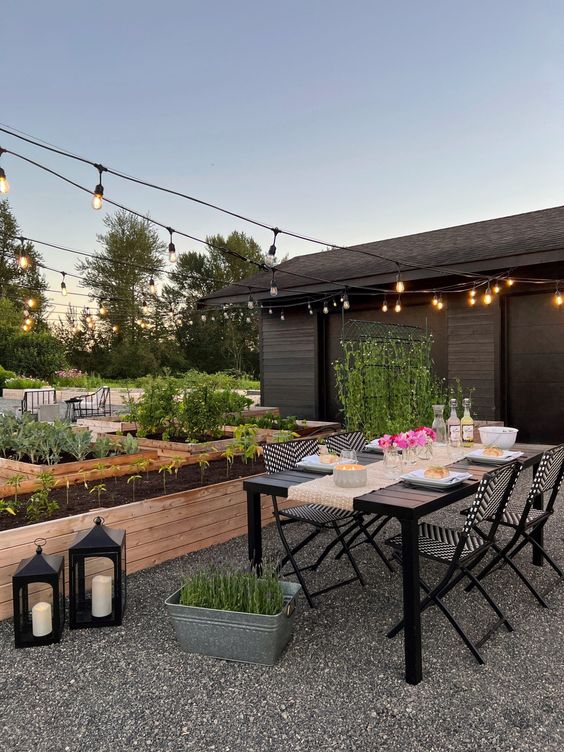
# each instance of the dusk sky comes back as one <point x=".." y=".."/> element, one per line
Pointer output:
<point x="349" y="122"/>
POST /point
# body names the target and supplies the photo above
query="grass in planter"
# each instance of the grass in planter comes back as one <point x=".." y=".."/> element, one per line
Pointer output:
<point x="234" y="591"/>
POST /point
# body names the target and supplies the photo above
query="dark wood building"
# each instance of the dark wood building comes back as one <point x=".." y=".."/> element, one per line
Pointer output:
<point x="511" y="351"/>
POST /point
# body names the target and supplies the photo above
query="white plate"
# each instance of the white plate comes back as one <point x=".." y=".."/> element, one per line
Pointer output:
<point x="314" y="465"/>
<point x="417" y="478"/>
<point x="478" y="456"/>
<point x="372" y="446"/>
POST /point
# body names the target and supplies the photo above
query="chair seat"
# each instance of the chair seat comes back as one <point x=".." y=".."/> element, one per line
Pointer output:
<point x="436" y="542"/>
<point x="318" y="514"/>
<point x="512" y="516"/>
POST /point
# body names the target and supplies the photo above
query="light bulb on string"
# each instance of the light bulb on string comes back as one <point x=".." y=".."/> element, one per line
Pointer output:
<point x="496" y="288"/>
<point x="385" y="306"/>
<point x="472" y="301"/>
<point x="98" y="195"/>
<point x="63" y="285"/>
<point x="400" y="287"/>
<point x="213" y="317"/>
<point x="152" y="286"/>
<point x="250" y="302"/>
<point x="248" y="320"/>
<point x="171" y="248"/>
<point x="102" y="310"/>
<point x="282" y="317"/>
<point x="272" y="249"/>
<point x="473" y="291"/>
<point x="509" y="282"/>
<point x="325" y="308"/>
<point x="440" y="304"/>
<point x="435" y="300"/>
<point x="28" y="321"/>
<point x="345" y="300"/>
<point x="488" y="296"/>
<point x="273" y="286"/>
<point x="115" y="328"/>
<point x="24" y="261"/>
<point x="558" y="296"/>
<point x="309" y="309"/>
<point x="334" y="303"/>
<point x="203" y="317"/>
<point x="270" y="311"/>
<point x="4" y="185"/>
<point x="397" y="307"/>
<point x="144" y="306"/>
<point x="31" y="302"/>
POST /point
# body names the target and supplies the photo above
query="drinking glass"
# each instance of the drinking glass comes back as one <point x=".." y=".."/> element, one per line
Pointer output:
<point x="348" y="457"/>
<point x="393" y="463"/>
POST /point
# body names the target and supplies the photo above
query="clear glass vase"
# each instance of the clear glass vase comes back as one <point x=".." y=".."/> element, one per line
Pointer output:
<point x="425" y="452"/>
<point x="439" y="425"/>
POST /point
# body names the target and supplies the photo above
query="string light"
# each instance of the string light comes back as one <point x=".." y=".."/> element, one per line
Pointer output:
<point x="346" y="304"/>
<point x="397" y="307"/>
<point x="115" y="328"/>
<point x="473" y="291"/>
<point x="98" y="195"/>
<point x="435" y="300"/>
<point x="144" y="306"/>
<point x="248" y="320"/>
<point x="203" y="317"/>
<point x="63" y="285"/>
<point x="272" y="249"/>
<point x="270" y="311"/>
<point x="171" y="248"/>
<point x="400" y="287"/>
<point x="385" y="306"/>
<point x="273" y="286"/>
<point x="325" y="308"/>
<point x="102" y="310"/>
<point x="509" y="282"/>
<point x="23" y="259"/>
<point x="4" y="185"/>
<point x="28" y="321"/>
<point x="282" y="318"/>
<point x="488" y="296"/>
<point x="472" y="300"/>
<point x="440" y="304"/>
<point x="250" y="302"/>
<point x="309" y="309"/>
<point x="496" y="288"/>
<point x="558" y="296"/>
<point x="31" y="302"/>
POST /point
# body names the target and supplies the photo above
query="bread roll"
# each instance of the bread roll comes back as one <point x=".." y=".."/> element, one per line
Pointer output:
<point x="493" y="452"/>
<point x="436" y="472"/>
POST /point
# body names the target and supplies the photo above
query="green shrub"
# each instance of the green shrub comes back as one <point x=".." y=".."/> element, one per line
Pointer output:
<point x="20" y="382"/>
<point x="4" y="375"/>
<point x="234" y="591"/>
<point x="38" y="354"/>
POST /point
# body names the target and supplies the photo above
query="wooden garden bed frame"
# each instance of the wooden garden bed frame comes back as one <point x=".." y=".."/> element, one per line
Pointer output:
<point x="158" y="529"/>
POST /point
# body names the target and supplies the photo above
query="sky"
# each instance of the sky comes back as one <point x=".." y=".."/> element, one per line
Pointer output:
<point x="346" y="121"/>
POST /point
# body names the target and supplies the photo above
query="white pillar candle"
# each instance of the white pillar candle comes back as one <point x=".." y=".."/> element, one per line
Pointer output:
<point x="101" y="595"/>
<point x="41" y="619"/>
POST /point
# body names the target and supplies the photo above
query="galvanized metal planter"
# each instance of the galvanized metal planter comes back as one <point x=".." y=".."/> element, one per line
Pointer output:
<point x="235" y="636"/>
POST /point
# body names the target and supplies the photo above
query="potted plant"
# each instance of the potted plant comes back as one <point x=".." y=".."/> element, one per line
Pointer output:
<point x="234" y="615"/>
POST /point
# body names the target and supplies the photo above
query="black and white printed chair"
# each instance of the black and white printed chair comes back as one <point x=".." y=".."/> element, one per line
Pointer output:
<point x="356" y="441"/>
<point x="528" y="521"/>
<point x="285" y="456"/>
<point x="347" y="441"/>
<point x="462" y="549"/>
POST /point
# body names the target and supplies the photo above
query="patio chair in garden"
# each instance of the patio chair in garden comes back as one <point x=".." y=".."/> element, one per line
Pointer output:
<point x="527" y="521"/>
<point x="33" y="399"/>
<point x="90" y="405"/>
<point x="280" y="457"/>
<point x="461" y="550"/>
<point x="356" y="441"/>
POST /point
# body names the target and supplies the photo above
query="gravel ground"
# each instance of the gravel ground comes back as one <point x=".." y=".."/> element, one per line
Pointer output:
<point x="338" y="687"/>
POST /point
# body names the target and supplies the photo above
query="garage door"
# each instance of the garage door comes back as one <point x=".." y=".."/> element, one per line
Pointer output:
<point x="535" y="367"/>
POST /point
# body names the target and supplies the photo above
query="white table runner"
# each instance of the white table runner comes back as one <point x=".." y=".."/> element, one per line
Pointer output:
<point x="324" y="491"/>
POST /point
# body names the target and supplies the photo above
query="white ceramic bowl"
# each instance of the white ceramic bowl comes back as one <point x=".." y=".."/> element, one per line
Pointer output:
<point x="499" y="436"/>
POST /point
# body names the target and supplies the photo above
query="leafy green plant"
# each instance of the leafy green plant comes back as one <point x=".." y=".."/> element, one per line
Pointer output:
<point x="245" y="442"/>
<point x="166" y="469"/>
<point x="102" y="447"/>
<point x="130" y="445"/>
<point x="142" y="465"/>
<point x="4" y="376"/>
<point x="22" y="383"/>
<point x="5" y="506"/>
<point x="203" y="464"/>
<point x="229" y="455"/>
<point x="79" y="444"/>
<point x="40" y="505"/>
<point x="15" y="481"/>
<point x="282" y="436"/>
<point x="386" y="383"/>
<point x="234" y="591"/>
<point x="98" y="489"/>
<point x="133" y="480"/>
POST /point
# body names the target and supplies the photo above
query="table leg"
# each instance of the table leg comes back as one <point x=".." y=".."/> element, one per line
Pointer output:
<point x="411" y="601"/>
<point x="254" y="529"/>
<point x="538" y="534"/>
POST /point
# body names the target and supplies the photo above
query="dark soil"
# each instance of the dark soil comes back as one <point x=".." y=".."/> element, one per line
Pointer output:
<point x="119" y="491"/>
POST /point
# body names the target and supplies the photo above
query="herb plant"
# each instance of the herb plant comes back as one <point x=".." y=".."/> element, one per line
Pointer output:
<point x="234" y="591"/>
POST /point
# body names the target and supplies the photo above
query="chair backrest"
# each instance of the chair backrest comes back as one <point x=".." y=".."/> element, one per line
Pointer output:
<point x="548" y="477"/>
<point x="33" y="398"/>
<point x="285" y="456"/>
<point x="349" y="441"/>
<point x="491" y="497"/>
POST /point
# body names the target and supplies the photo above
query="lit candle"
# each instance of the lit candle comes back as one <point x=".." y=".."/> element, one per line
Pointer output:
<point x="101" y="595"/>
<point x="41" y="619"/>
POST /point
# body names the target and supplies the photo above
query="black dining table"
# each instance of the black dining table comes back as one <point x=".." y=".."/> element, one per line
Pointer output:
<point x="408" y="505"/>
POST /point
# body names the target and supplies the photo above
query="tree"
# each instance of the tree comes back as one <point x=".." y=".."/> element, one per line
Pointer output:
<point x="119" y="276"/>
<point x="17" y="284"/>
<point x="227" y="339"/>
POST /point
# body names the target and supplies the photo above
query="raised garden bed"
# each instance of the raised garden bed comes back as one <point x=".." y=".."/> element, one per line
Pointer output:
<point x="158" y="529"/>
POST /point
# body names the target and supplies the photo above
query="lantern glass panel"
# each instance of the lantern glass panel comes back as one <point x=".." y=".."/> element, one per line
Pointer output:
<point x="96" y="585"/>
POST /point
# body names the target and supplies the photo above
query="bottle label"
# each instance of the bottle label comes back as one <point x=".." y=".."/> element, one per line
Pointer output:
<point x="454" y="432"/>
<point x="468" y="432"/>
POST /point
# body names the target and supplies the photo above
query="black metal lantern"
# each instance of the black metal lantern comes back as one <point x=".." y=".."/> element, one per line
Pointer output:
<point x="41" y="580"/>
<point x="91" y="555"/>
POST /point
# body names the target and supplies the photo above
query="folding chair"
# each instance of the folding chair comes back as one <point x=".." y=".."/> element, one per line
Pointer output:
<point x="461" y="550"/>
<point x="356" y="441"/>
<point x="279" y="457"/>
<point x="527" y="521"/>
